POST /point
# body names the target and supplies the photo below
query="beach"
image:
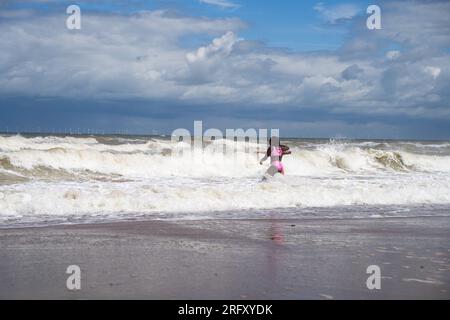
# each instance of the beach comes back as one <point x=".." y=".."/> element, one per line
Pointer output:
<point x="230" y="259"/>
<point x="143" y="220"/>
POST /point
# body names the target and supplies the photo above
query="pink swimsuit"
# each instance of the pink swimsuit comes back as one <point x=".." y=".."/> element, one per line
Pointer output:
<point x="275" y="155"/>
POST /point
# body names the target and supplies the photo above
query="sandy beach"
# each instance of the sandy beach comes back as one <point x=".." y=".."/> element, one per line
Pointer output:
<point x="230" y="259"/>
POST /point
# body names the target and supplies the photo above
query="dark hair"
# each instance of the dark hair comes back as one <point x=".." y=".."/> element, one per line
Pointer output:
<point x="270" y="141"/>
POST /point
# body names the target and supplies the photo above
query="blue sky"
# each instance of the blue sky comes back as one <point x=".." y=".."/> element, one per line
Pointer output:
<point x="295" y="25"/>
<point x="310" y="68"/>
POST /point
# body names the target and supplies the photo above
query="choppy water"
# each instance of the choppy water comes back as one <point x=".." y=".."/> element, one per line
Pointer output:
<point x="56" y="179"/>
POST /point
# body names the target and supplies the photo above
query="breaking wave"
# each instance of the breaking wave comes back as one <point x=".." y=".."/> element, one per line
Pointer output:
<point x="70" y="176"/>
<point x="158" y="158"/>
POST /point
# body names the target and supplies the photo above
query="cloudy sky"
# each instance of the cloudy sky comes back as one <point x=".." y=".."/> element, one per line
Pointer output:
<point x="309" y="68"/>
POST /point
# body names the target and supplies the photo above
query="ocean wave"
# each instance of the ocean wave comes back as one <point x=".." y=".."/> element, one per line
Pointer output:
<point x="71" y="176"/>
<point x="162" y="158"/>
<point x="190" y="195"/>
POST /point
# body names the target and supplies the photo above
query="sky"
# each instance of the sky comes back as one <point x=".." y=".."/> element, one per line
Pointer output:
<point x="308" y="68"/>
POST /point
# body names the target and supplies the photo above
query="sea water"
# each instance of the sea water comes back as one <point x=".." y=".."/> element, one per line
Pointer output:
<point x="76" y="179"/>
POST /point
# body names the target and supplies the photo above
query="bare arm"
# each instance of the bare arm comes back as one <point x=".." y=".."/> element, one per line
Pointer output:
<point x="265" y="157"/>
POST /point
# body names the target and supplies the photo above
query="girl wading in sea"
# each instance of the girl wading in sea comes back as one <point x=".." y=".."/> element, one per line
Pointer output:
<point x="276" y="153"/>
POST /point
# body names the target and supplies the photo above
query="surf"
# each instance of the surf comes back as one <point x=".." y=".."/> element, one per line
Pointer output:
<point x="52" y="177"/>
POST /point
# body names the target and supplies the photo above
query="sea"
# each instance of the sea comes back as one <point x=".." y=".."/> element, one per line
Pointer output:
<point x="73" y="179"/>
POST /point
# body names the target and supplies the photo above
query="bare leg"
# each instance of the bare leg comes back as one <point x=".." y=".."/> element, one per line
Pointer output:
<point x="272" y="171"/>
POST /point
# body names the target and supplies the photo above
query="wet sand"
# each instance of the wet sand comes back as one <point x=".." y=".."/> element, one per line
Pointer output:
<point x="230" y="259"/>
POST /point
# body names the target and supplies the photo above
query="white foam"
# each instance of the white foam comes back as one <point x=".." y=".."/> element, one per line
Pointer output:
<point x="187" y="195"/>
<point x="152" y="182"/>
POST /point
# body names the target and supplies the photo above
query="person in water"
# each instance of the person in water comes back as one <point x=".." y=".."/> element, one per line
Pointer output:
<point x="276" y="151"/>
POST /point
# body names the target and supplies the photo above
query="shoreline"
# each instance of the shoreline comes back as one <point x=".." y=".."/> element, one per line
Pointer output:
<point x="322" y="214"/>
<point x="230" y="259"/>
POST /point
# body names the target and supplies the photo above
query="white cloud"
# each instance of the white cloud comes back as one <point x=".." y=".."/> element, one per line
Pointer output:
<point x="333" y="14"/>
<point x="111" y="56"/>
<point x="223" y="45"/>
<point x="416" y="23"/>
<point x="393" y="54"/>
<point x="221" y="3"/>
<point x="140" y="56"/>
<point x="433" y="71"/>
